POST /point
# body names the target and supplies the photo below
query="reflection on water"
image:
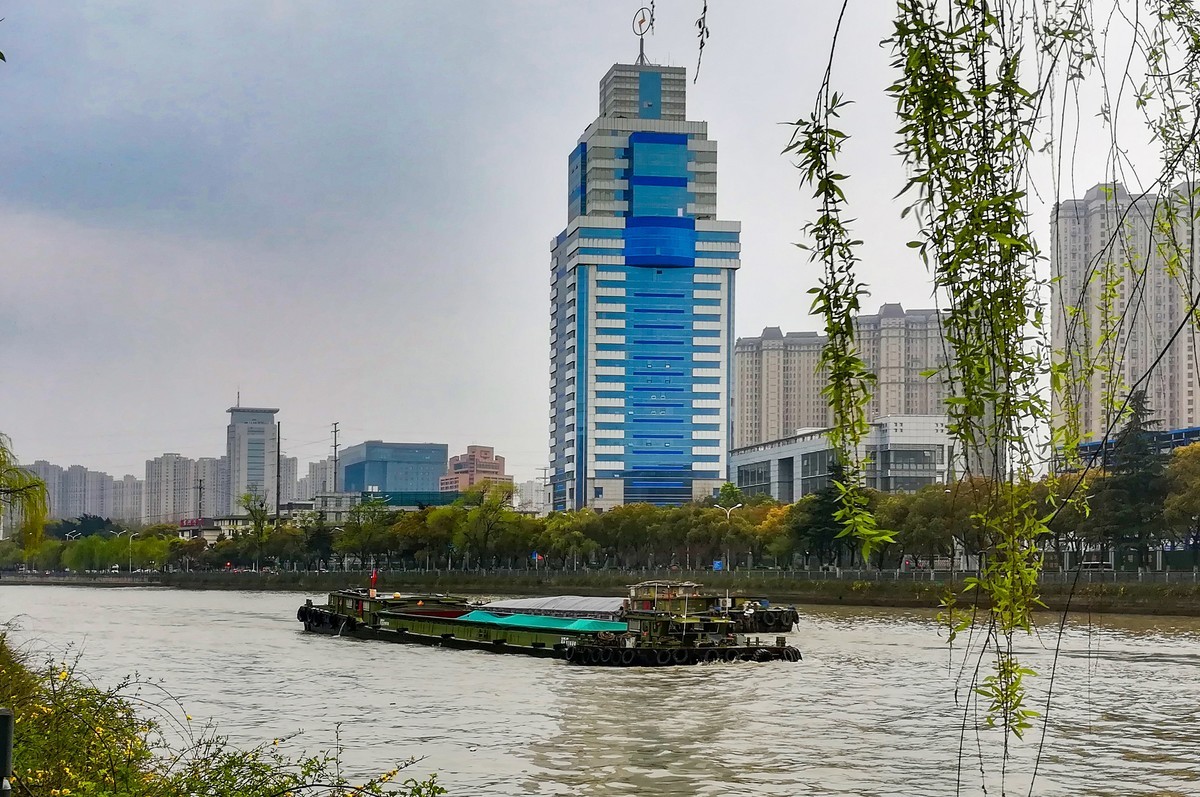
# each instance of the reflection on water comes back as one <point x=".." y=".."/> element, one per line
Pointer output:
<point x="871" y="710"/>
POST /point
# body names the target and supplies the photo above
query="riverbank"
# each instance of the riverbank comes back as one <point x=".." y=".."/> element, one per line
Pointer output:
<point x="1093" y="592"/>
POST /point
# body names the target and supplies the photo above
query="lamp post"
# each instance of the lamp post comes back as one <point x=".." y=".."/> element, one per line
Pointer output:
<point x="73" y="535"/>
<point x="130" y="533"/>
<point x="728" y="511"/>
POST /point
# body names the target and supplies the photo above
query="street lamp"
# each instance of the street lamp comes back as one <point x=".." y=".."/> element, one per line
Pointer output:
<point x="728" y="511"/>
<point x="73" y="535"/>
<point x="130" y="533"/>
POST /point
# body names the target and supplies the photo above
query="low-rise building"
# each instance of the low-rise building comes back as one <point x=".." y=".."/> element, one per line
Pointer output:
<point x="478" y="464"/>
<point x="903" y="453"/>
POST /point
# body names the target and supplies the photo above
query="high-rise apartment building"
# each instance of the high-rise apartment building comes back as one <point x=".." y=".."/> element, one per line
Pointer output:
<point x="288" y="466"/>
<point x="169" y="492"/>
<point x="479" y="464"/>
<point x="98" y="490"/>
<point x="319" y="479"/>
<point x="127" y="498"/>
<point x="54" y="478"/>
<point x="778" y="381"/>
<point x="74" y="491"/>
<point x="376" y="466"/>
<point x="250" y="444"/>
<point x="642" y="281"/>
<point x="211" y="503"/>
<point x="1110" y="241"/>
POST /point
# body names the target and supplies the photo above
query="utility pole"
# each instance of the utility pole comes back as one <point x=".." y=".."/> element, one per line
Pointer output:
<point x="199" y="498"/>
<point x="278" y="462"/>
<point x="545" y="485"/>
<point x="335" y="455"/>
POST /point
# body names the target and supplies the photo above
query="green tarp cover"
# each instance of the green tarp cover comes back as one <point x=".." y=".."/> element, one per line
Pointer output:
<point x="549" y="623"/>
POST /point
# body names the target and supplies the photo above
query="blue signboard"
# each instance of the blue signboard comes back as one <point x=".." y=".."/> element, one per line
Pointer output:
<point x="718" y="564"/>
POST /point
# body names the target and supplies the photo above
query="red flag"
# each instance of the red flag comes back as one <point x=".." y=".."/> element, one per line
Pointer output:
<point x="374" y="575"/>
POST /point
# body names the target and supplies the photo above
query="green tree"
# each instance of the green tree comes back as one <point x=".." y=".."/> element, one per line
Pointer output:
<point x="1128" y="503"/>
<point x="366" y="531"/>
<point x="729" y="495"/>
<point x="24" y="495"/>
<point x="568" y="537"/>
<point x="1182" y="506"/>
<point x="488" y="512"/>
<point x="256" y="508"/>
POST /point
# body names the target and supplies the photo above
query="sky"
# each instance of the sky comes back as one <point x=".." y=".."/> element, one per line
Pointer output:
<point x="344" y="210"/>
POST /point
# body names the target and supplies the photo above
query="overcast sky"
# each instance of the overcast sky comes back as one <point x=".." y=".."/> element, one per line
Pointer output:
<point x="344" y="210"/>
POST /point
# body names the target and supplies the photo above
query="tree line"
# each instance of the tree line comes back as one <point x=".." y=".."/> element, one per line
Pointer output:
<point x="1135" y="498"/>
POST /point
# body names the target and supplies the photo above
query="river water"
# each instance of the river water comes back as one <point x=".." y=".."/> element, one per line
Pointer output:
<point x="870" y="711"/>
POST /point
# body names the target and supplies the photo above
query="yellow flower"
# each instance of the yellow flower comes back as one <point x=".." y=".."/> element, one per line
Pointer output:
<point x="189" y="717"/>
<point x="276" y="742"/>
<point x="62" y="676"/>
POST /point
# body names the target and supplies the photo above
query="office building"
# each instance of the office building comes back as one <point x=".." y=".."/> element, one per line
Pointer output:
<point x="1110" y="239"/>
<point x="779" y="382"/>
<point x="642" y="283"/>
<point x="478" y="465"/>
<point x="250" y="444"/>
<point x="376" y="466"/>
<point x="169" y="493"/>
<point x="903" y="453"/>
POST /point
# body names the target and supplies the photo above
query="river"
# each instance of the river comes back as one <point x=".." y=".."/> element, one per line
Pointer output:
<point x="870" y="711"/>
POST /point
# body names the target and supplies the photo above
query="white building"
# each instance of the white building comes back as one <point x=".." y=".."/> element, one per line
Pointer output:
<point x="251" y="442"/>
<point x="904" y="453"/>
<point x="1107" y="237"/>
<point x="778" y="383"/>
<point x="319" y="479"/>
<point x="213" y="501"/>
<point x="287" y="479"/>
<point x="54" y="478"/>
<point x="531" y="496"/>
<point x="170" y="491"/>
<point x="127" y="498"/>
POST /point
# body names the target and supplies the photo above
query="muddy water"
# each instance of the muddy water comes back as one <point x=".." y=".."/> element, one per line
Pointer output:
<point x="870" y="711"/>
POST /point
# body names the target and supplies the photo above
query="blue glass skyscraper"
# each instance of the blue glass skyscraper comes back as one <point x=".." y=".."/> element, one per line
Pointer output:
<point x="642" y="290"/>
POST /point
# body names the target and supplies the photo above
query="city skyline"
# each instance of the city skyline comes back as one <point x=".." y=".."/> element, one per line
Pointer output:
<point x="264" y="230"/>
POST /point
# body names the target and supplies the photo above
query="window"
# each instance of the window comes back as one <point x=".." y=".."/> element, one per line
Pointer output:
<point x="599" y="493"/>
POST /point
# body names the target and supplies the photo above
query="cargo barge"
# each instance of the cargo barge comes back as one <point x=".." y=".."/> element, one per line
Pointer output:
<point x="750" y="615"/>
<point x="659" y="628"/>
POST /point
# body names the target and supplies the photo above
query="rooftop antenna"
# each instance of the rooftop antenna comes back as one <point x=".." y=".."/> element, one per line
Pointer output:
<point x="239" y="398"/>
<point x="643" y="23"/>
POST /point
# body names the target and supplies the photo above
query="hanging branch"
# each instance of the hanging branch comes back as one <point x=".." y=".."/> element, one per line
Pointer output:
<point x="701" y="34"/>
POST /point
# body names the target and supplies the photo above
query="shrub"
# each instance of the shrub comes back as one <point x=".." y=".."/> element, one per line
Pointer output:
<point x="75" y="739"/>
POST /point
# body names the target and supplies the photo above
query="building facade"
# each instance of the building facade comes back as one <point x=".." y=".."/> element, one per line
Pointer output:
<point x="376" y="466"/>
<point x="211" y="500"/>
<point x="127" y="498"/>
<point x="54" y="478"/>
<point x="479" y="464"/>
<point x="903" y="453"/>
<point x="531" y="496"/>
<point x="250" y="444"/>
<point x="779" y="381"/>
<point x="170" y="491"/>
<point x="642" y="289"/>
<point x="1110" y="240"/>
<point x="288" y="467"/>
<point x="318" y="481"/>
